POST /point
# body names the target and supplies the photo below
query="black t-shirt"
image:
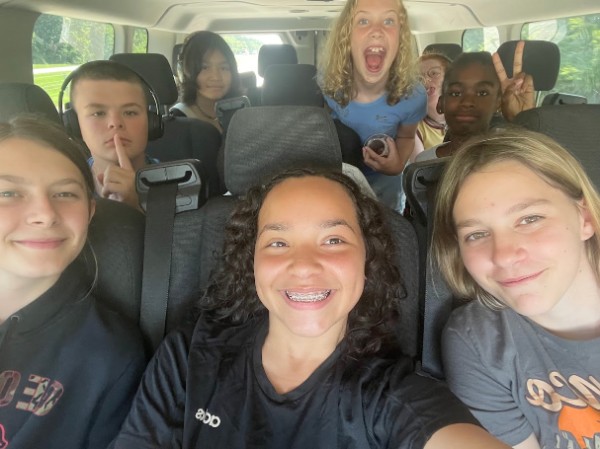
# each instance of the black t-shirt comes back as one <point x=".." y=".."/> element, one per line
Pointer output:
<point x="206" y="388"/>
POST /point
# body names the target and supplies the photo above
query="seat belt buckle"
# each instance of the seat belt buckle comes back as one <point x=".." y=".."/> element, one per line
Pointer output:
<point x="186" y="173"/>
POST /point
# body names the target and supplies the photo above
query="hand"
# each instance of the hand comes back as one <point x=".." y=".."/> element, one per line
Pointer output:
<point x="392" y="164"/>
<point x="118" y="181"/>
<point x="517" y="92"/>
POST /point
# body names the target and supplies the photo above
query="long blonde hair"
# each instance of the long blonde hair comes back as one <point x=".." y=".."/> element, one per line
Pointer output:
<point x="336" y="66"/>
<point x="550" y="161"/>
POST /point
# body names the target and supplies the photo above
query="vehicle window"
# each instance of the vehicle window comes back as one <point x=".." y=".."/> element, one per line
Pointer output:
<point x="578" y="39"/>
<point x="245" y="48"/>
<point x="481" y="39"/>
<point x="60" y="44"/>
<point x="140" y="41"/>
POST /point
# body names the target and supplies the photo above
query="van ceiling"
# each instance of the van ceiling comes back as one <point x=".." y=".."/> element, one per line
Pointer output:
<point x="264" y="15"/>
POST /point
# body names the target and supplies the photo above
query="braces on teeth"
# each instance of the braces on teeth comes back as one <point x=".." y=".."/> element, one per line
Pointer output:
<point x="308" y="297"/>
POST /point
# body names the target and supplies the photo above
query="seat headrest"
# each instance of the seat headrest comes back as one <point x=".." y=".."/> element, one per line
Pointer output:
<point x="155" y="69"/>
<point x="265" y="140"/>
<point x="450" y="50"/>
<point x="23" y="98"/>
<point x="291" y="84"/>
<point x="270" y="54"/>
<point x="541" y="60"/>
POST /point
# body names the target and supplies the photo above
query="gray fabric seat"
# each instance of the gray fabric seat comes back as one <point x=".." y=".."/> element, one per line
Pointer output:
<point x="19" y="98"/>
<point x="574" y="126"/>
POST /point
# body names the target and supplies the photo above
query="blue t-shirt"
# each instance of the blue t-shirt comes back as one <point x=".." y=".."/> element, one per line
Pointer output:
<point x="378" y="116"/>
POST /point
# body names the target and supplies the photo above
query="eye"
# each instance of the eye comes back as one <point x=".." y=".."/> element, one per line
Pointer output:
<point x="66" y="195"/>
<point x="474" y="236"/>
<point x="226" y="68"/>
<point x="389" y="21"/>
<point x="362" y="21"/>
<point x="334" y="241"/>
<point x="530" y="219"/>
<point x="483" y="93"/>
<point x="98" y="113"/>
<point x="132" y="113"/>
<point x="277" y="244"/>
<point x="454" y="93"/>
<point x="9" y="194"/>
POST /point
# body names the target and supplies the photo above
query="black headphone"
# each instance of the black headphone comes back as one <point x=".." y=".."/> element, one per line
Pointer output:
<point x="71" y="122"/>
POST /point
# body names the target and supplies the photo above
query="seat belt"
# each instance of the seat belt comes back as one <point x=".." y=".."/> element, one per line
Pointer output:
<point x="164" y="190"/>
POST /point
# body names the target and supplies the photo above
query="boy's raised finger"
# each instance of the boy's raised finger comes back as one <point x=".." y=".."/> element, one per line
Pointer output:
<point x="122" y="157"/>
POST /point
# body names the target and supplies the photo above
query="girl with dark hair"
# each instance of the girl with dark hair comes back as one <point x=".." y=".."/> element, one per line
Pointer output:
<point x="68" y="367"/>
<point x="295" y="347"/>
<point x="208" y="73"/>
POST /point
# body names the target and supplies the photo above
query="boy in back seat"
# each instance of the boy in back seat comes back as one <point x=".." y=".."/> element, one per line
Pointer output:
<point x="110" y="112"/>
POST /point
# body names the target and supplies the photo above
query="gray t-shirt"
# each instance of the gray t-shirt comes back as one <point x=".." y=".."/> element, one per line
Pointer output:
<point x="519" y="379"/>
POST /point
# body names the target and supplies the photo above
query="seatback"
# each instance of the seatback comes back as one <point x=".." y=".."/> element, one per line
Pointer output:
<point x="575" y="127"/>
<point x="20" y="98"/>
<point x="435" y="299"/>
<point x="183" y="138"/>
<point x="116" y="235"/>
<point x="291" y="84"/>
<point x="450" y="50"/>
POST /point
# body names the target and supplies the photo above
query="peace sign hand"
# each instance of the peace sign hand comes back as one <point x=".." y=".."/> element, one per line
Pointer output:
<point x="518" y="93"/>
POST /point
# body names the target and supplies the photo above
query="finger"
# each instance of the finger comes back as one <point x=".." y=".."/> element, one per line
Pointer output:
<point x="518" y="60"/>
<point x="100" y="178"/>
<point x="499" y="69"/>
<point x="124" y="161"/>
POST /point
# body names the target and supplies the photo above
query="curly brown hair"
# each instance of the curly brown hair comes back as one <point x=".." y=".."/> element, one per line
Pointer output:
<point x="336" y="66"/>
<point x="231" y="297"/>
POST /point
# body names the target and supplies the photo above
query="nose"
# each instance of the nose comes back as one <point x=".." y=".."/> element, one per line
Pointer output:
<point x="467" y="99"/>
<point x="42" y="212"/>
<point x="215" y="73"/>
<point x="507" y="250"/>
<point x="115" y="120"/>
<point x="305" y="262"/>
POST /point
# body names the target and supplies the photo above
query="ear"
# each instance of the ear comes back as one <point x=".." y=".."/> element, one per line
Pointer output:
<point x="586" y="229"/>
<point x="440" y="105"/>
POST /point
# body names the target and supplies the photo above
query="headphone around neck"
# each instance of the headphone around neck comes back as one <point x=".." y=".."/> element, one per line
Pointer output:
<point x="71" y="122"/>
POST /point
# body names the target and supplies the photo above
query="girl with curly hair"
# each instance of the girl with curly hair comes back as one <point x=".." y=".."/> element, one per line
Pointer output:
<point x="294" y="347"/>
<point x="368" y="77"/>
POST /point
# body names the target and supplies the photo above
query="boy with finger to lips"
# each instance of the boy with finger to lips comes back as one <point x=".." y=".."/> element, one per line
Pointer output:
<point x="112" y="111"/>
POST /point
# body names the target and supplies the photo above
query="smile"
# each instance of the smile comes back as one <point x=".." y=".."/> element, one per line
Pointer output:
<point x="308" y="297"/>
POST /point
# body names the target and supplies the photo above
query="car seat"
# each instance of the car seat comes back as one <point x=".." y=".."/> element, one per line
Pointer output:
<point x="435" y="299"/>
<point x="291" y="84"/>
<point x="19" y="98"/>
<point x="573" y="126"/>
